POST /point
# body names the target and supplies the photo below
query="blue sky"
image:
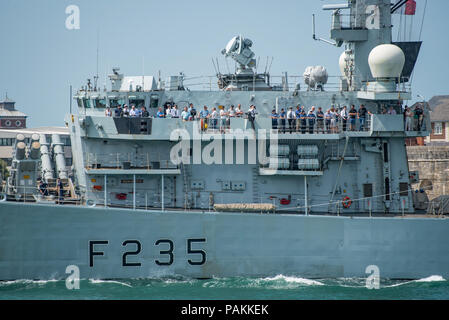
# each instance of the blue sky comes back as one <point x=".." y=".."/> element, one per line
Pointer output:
<point x="40" y="58"/>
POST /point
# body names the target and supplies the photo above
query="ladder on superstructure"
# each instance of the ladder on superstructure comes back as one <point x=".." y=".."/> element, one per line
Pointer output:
<point x="186" y="185"/>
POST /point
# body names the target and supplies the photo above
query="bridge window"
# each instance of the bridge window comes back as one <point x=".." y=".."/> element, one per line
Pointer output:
<point x="154" y="101"/>
<point x="80" y="103"/>
<point x="137" y="102"/>
<point x="114" y="103"/>
<point x="100" y="103"/>
<point x="86" y="103"/>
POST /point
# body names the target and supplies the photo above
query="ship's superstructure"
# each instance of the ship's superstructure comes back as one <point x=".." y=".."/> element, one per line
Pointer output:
<point x="127" y="161"/>
<point x="162" y="190"/>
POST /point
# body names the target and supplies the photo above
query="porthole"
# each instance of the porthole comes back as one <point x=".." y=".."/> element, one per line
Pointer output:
<point x="7" y="123"/>
<point x="18" y="123"/>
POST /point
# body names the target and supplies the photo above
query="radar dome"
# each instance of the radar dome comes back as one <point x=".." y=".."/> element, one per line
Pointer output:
<point x="386" y="61"/>
<point x="315" y="75"/>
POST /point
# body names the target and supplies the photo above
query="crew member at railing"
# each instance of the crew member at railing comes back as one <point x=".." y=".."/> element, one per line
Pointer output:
<point x="174" y="112"/>
<point x="168" y="111"/>
<point x="238" y="111"/>
<point x="223" y="119"/>
<point x="43" y="188"/>
<point x="297" y="116"/>
<point x="214" y="118"/>
<point x="231" y="114"/>
<point x="418" y="117"/>
<point x="252" y="115"/>
<point x="160" y="113"/>
<point x="291" y="119"/>
<point x="311" y="116"/>
<point x="204" y="116"/>
<point x="320" y="120"/>
<point x="338" y="119"/>
<point x="333" y="125"/>
<point x="274" y="119"/>
<point x="282" y="116"/>
<point x="108" y="112"/>
<point x="133" y="113"/>
<point x="327" y="119"/>
<point x="192" y="111"/>
<point x="185" y="114"/>
<point x="118" y="112"/>
<point x="144" y="113"/>
<point x="303" y="119"/>
<point x="362" y="116"/>
<point x="125" y="111"/>
<point x="352" y="117"/>
<point x="408" y="116"/>
<point x="344" y="117"/>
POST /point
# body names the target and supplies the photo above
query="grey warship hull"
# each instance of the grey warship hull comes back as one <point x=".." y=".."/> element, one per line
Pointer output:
<point x="41" y="241"/>
<point x="169" y="195"/>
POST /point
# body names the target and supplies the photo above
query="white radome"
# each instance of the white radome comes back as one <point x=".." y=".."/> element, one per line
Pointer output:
<point x="386" y="61"/>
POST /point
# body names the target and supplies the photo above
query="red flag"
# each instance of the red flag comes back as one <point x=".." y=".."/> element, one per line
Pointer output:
<point x="410" y="7"/>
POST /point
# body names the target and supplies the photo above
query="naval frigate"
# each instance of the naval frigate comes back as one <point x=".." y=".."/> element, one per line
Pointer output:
<point x="217" y="194"/>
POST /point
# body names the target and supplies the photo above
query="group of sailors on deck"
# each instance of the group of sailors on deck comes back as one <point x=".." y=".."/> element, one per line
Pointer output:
<point x="333" y="120"/>
<point x="318" y="121"/>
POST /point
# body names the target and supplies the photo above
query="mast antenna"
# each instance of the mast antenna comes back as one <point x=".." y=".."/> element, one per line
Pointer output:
<point x="96" y="76"/>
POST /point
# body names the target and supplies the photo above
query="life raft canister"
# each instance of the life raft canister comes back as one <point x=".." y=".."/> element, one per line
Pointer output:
<point x="346" y="202"/>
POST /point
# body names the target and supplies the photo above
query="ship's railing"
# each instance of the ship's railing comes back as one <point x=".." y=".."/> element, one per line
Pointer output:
<point x="151" y="199"/>
<point x="32" y="194"/>
<point x="403" y="85"/>
<point x="351" y="21"/>
<point x="293" y="83"/>
<point x="277" y="82"/>
<point x="129" y="160"/>
<point x="328" y="126"/>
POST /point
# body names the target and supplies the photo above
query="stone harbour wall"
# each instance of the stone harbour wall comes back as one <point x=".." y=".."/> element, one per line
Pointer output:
<point x="432" y="163"/>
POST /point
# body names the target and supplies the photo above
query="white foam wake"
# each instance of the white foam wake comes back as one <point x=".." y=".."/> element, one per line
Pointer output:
<point x="96" y="281"/>
<point x="26" y="281"/>
<point x="298" y="280"/>
<point x="431" y="279"/>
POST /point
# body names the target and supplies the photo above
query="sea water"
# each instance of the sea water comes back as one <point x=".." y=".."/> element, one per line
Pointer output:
<point x="270" y="288"/>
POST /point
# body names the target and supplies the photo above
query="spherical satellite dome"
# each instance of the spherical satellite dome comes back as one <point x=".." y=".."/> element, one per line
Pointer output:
<point x="386" y="61"/>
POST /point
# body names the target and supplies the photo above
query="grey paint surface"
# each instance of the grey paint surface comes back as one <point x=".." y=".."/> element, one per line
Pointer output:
<point x="39" y="242"/>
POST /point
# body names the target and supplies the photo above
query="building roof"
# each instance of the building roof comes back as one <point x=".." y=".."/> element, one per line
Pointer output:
<point x="438" y="106"/>
<point x="12" y="113"/>
<point x="29" y="131"/>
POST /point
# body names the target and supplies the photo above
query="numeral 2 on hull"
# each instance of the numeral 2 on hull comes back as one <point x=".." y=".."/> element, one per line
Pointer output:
<point x="166" y="245"/>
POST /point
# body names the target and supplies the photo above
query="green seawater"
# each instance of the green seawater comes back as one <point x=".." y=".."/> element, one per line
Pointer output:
<point x="272" y="288"/>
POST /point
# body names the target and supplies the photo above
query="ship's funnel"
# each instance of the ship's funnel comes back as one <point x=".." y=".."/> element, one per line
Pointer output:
<point x="386" y="61"/>
<point x="20" y="150"/>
